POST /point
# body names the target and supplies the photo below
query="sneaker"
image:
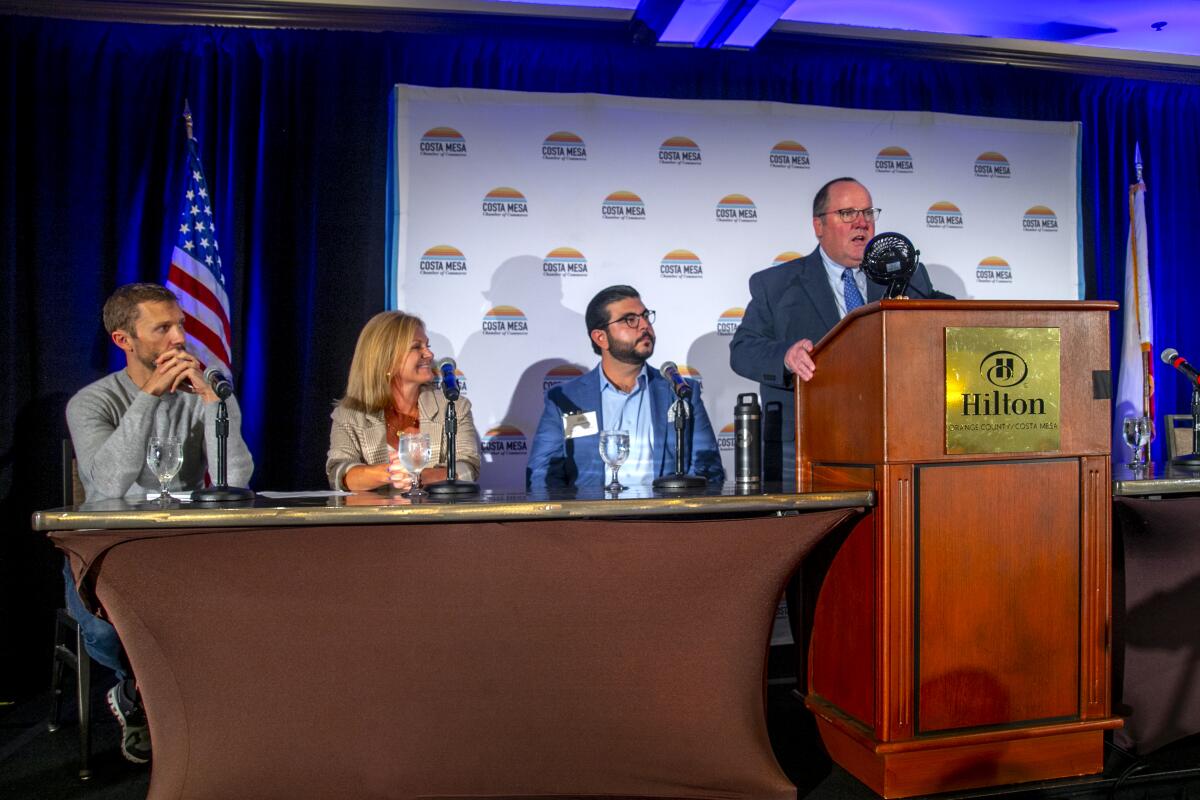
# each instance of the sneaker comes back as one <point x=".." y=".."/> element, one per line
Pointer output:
<point x="135" y="734"/>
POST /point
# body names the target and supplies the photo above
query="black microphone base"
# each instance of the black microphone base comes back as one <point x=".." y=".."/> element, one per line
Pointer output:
<point x="450" y="488"/>
<point x="1191" y="461"/>
<point x="222" y="494"/>
<point x="674" y="483"/>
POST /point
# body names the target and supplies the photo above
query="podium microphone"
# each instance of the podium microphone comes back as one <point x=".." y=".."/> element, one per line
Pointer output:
<point x="682" y="388"/>
<point x="1171" y="356"/>
<point x="450" y="387"/>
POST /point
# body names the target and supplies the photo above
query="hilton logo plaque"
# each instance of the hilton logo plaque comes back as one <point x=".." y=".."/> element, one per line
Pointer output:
<point x="1002" y="390"/>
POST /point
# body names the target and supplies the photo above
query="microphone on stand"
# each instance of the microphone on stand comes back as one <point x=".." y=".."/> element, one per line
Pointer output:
<point x="1171" y="356"/>
<point x="681" y="387"/>
<point x="680" y="410"/>
<point x="1189" y="461"/>
<point x="221" y="385"/>
<point x="449" y="381"/>
<point x="890" y="260"/>
<point x="221" y="492"/>
<point x="451" y="390"/>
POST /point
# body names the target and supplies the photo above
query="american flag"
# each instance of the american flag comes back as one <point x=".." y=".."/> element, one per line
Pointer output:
<point x="195" y="274"/>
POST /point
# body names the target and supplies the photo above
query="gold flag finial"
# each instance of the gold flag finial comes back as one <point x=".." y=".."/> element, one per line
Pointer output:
<point x="187" y="117"/>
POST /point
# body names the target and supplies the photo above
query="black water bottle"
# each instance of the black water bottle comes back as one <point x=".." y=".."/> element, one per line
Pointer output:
<point x="747" y="448"/>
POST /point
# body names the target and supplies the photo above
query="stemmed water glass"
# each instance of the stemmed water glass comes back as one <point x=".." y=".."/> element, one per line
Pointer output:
<point x="614" y="449"/>
<point x="415" y="451"/>
<point x="164" y="457"/>
<point x="1138" y="431"/>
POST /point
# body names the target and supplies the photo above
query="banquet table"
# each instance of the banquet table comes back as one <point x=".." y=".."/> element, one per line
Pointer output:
<point x="555" y="644"/>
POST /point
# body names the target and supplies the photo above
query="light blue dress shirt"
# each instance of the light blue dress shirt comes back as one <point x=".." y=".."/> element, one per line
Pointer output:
<point x="833" y="271"/>
<point x="631" y="412"/>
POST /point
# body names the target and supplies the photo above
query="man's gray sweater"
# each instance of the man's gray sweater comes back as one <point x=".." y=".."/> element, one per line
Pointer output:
<point x="111" y="423"/>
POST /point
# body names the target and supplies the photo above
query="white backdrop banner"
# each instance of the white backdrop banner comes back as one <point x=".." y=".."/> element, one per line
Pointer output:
<point x="513" y="209"/>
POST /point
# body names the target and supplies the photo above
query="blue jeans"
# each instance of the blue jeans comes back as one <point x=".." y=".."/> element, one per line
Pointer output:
<point x="99" y="638"/>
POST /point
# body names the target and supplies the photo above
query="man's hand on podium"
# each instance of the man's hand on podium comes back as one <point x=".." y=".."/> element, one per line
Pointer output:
<point x="798" y="360"/>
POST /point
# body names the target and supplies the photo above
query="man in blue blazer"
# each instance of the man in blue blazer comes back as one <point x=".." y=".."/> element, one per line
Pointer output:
<point x="621" y="393"/>
<point x="796" y="303"/>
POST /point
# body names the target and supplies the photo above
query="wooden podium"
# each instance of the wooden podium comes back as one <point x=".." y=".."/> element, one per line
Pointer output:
<point x="960" y="637"/>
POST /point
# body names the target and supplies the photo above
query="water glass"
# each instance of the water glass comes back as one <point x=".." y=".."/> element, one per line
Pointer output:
<point x="1138" y="431"/>
<point x="614" y="449"/>
<point x="164" y="457"/>
<point x="414" y="452"/>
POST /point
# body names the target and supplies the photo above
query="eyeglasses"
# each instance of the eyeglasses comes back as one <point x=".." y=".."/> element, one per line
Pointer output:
<point x="632" y="319"/>
<point x="851" y="214"/>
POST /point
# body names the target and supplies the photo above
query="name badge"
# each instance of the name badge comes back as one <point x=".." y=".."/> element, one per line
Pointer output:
<point x="581" y="424"/>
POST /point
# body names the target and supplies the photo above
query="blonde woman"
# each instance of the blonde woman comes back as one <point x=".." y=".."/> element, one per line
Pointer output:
<point x="391" y="391"/>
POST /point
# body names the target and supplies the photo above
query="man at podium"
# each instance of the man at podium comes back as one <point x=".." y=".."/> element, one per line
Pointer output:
<point x="796" y="303"/>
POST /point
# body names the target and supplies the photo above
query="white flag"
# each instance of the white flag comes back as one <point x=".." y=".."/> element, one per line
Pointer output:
<point x="1135" y="389"/>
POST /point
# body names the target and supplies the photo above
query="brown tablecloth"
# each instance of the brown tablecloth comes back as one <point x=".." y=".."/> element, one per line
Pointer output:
<point x="1156" y="620"/>
<point x="540" y="658"/>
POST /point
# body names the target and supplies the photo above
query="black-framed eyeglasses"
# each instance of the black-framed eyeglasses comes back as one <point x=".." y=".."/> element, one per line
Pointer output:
<point x="632" y="319"/>
<point x="851" y="214"/>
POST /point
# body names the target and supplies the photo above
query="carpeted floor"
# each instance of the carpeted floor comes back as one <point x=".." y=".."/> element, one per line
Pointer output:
<point x="36" y="764"/>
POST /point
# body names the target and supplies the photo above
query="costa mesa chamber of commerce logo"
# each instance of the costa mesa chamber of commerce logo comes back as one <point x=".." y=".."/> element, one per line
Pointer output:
<point x="504" y="440"/>
<point x="442" y="260"/>
<point x="442" y="142"/>
<point x="564" y="146"/>
<point x="992" y="165"/>
<point x="556" y="376"/>
<point x="623" y="205"/>
<point x="943" y="214"/>
<point x="789" y="155"/>
<point x="1040" y="218"/>
<point x="726" y="438"/>
<point x="679" y="150"/>
<point x="505" y="201"/>
<point x="728" y="322"/>
<point x="894" y="159"/>
<point x="993" y="269"/>
<point x="566" y="262"/>
<point x="689" y="372"/>
<point x="681" y="264"/>
<point x="505" y="321"/>
<point x="736" y="208"/>
<point x="786" y="256"/>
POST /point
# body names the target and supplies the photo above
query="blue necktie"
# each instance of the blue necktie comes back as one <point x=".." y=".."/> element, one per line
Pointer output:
<point x="850" y="291"/>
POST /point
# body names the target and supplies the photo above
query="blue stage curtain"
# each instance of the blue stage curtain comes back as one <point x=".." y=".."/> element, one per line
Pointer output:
<point x="292" y="127"/>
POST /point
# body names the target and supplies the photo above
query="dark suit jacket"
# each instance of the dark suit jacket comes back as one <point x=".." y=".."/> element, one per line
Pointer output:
<point x="790" y="302"/>
<point x="555" y="461"/>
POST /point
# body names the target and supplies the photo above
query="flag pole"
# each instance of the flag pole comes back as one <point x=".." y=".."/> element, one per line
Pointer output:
<point x="1147" y="355"/>
<point x="187" y="120"/>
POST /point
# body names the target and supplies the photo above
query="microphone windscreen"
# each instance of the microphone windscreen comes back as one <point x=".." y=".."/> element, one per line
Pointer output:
<point x="1169" y="355"/>
<point x="446" y="362"/>
<point x="668" y="366"/>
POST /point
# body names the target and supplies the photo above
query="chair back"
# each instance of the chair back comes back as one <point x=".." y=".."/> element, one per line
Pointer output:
<point x="1179" y="434"/>
<point x="72" y="487"/>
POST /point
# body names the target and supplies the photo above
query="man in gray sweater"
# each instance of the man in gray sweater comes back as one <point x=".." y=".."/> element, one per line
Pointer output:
<point x="161" y="392"/>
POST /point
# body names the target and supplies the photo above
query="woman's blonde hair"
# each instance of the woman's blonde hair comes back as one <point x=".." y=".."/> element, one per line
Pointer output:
<point x="382" y="342"/>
